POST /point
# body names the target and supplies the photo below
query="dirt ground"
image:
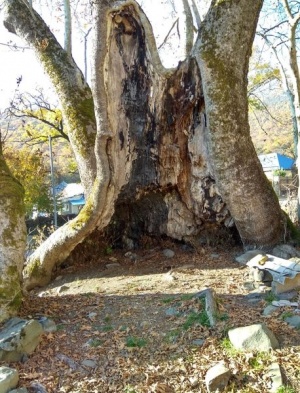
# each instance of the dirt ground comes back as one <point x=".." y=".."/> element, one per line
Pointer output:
<point x="129" y="322"/>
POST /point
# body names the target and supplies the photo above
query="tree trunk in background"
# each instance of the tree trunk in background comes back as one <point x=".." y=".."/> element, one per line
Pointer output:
<point x="161" y="138"/>
<point x="12" y="241"/>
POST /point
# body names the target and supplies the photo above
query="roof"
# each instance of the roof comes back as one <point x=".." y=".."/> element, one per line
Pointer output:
<point x="60" y="187"/>
<point x="72" y="190"/>
<point x="273" y="161"/>
<point x="77" y="202"/>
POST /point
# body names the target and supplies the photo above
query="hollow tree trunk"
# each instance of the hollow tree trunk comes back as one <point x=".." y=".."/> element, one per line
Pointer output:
<point x="12" y="241"/>
<point x="156" y="154"/>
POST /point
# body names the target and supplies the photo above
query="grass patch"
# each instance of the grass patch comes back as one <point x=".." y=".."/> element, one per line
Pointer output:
<point x="187" y="296"/>
<point x="106" y="328"/>
<point x="135" y="342"/>
<point x="270" y="297"/>
<point x="168" y="300"/>
<point x="172" y="335"/>
<point x="286" y="389"/>
<point x="95" y="343"/>
<point x="286" y="314"/>
<point x="259" y="361"/>
<point x="222" y="317"/>
<point x="229" y="348"/>
<point x="200" y="318"/>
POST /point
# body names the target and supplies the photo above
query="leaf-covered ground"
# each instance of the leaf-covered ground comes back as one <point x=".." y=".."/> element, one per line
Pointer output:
<point x="138" y="328"/>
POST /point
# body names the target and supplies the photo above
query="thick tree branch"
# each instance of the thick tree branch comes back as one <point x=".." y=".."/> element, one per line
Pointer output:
<point x="74" y="93"/>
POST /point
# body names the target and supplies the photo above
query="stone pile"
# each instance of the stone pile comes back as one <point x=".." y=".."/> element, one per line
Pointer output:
<point x="18" y="339"/>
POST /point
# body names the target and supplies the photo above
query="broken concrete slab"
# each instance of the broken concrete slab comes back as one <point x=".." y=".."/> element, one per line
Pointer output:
<point x="285" y="273"/>
<point x="288" y="285"/>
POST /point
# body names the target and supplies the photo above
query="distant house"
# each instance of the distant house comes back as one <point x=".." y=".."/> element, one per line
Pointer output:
<point x="70" y="197"/>
<point x="274" y="161"/>
<point x="283" y="185"/>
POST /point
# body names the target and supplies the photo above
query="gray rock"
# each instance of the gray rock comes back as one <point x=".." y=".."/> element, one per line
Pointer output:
<point x="217" y="378"/>
<point x="293" y="321"/>
<point x="254" y="337"/>
<point x="215" y="256"/>
<point x="275" y="376"/>
<point x="37" y="387"/>
<point x="168" y="253"/>
<point x="255" y="296"/>
<point x="19" y="390"/>
<point x="249" y="285"/>
<point x="70" y="362"/>
<point x="260" y="275"/>
<point x="131" y="255"/>
<point x="198" y="342"/>
<point x="18" y="338"/>
<point x="114" y="265"/>
<point x="270" y="309"/>
<point x="9" y="379"/>
<point x="172" y="311"/>
<point x="285" y="251"/>
<point x="48" y="324"/>
<point x="256" y="274"/>
<point x="89" y="363"/>
<point x="61" y="289"/>
<point x="287" y="295"/>
<point x="247" y="256"/>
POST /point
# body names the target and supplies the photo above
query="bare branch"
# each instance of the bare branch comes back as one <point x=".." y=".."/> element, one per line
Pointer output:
<point x="169" y="32"/>
<point x="196" y="14"/>
<point x="189" y="27"/>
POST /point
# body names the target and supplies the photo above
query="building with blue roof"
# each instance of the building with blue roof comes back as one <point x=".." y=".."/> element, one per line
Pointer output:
<point x="274" y="161"/>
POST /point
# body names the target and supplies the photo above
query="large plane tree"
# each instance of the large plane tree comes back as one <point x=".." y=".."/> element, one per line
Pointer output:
<point x="160" y="151"/>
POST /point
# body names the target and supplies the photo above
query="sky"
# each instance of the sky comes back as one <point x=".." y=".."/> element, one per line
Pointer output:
<point x="14" y="64"/>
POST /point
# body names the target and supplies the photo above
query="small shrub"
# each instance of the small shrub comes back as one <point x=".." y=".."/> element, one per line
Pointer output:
<point x="279" y="172"/>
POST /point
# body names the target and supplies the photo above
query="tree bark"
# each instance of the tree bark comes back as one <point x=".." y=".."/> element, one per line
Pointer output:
<point x="225" y="44"/>
<point x="12" y="241"/>
<point x="162" y="139"/>
<point x="74" y="93"/>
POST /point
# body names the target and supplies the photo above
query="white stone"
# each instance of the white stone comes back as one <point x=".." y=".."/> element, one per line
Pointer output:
<point x="168" y="253"/>
<point x="254" y="337"/>
<point x="9" y="379"/>
<point x="217" y="378"/>
<point x="19" y="337"/>
<point x="274" y="373"/>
